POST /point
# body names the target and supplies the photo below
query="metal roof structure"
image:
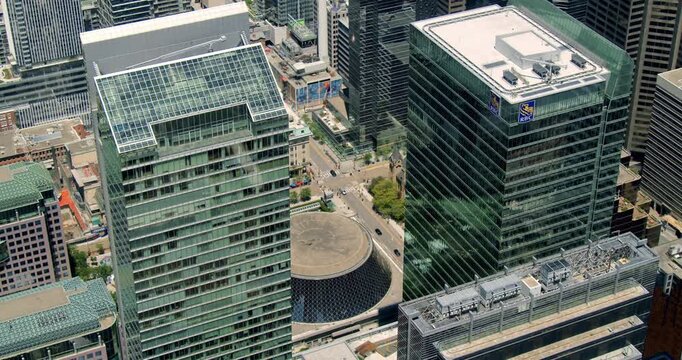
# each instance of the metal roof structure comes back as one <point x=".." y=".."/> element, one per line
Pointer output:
<point x="52" y="313"/>
<point x="603" y="257"/>
<point x="22" y="184"/>
<point x="134" y="100"/>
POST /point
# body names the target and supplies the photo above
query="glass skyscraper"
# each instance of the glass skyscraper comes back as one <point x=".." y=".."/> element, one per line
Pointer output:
<point x="378" y="56"/>
<point x="194" y="157"/>
<point x="515" y="124"/>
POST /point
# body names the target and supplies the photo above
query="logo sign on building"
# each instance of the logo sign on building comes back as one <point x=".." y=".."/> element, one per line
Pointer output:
<point x="527" y="111"/>
<point x="494" y="104"/>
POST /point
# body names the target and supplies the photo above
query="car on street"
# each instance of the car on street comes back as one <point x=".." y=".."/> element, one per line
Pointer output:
<point x="378" y="232"/>
<point x="332" y="172"/>
<point x="396" y="252"/>
<point x="344" y="192"/>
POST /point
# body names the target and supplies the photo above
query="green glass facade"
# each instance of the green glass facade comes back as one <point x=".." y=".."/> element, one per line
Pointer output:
<point x="195" y="167"/>
<point x="378" y="55"/>
<point x="485" y="191"/>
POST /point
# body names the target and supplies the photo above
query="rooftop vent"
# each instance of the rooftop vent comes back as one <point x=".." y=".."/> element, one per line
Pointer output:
<point x="458" y="302"/>
<point x="540" y="70"/>
<point x="555" y="271"/>
<point x="500" y="289"/>
<point x="578" y="60"/>
<point x="510" y="77"/>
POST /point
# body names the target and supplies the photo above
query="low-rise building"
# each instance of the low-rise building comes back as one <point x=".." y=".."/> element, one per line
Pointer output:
<point x="68" y="320"/>
<point x="585" y="302"/>
<point x="39" y="143"/>
<point x="304" y="84"/>
<point x="30" y="229"/>
<point x="299" y="145"/>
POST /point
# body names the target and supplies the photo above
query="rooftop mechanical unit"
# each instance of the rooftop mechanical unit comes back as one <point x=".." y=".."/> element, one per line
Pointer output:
<point x="500" y="288"/>
<point x="458" y="302"/>
<point x="540" y="70"/>
<point x="510" y="77"/>
<point x="555" y="272"/>
<point x="554" y="69"/>
<point x="578" y="60"/>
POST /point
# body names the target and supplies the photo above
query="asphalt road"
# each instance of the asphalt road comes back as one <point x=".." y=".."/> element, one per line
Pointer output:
<point x="389" y="240"/>
<point x="322" y="163"/>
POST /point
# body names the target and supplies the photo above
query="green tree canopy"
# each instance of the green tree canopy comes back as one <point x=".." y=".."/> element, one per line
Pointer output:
<point x="305" y="194"/>
<point x="387" y="199"/>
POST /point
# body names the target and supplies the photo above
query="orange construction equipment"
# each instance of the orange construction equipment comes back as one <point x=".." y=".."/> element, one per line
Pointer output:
<point x="66" y="201"/>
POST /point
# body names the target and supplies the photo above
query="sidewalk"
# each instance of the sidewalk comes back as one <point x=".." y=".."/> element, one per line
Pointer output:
<point x="342" y="207"/>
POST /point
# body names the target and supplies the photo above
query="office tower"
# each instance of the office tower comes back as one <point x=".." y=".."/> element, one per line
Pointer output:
<point x="195" y="176"/>
<point x="173" y="37"/>
<point x="282" y="12"/>
<point x="620" y="22"/>
<point x="665" y="322"/>
<point x="661" y="173"/>
<point x="514" y="137"/>
<point x="43" y="31"/>
<point x="91" y="19"/>
<point x="44" y="80"/>
<point x="575" y="8"/>
<point x="379" y="51"/>
<point x="343" y="62"/>
<point x="337" y="12"/>
<point x="4" y="44"/>
<point x="71" y="319"/>
<point x="117" y="12"/>
<point x="649" y="32"/>
<point x="427" y="9"/>
<point x="659" y="52"/>
<point x="587" y="302"/>
<point x="30" y="229"/>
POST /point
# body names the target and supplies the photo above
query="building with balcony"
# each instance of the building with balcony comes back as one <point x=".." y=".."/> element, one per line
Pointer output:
<point x="195" y="172"/>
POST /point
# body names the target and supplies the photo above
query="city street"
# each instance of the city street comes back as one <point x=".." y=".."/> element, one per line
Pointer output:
<point x="356" y="199"/>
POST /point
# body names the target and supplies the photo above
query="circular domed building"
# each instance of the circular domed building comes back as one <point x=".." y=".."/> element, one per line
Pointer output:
<point x="336" y="272"/>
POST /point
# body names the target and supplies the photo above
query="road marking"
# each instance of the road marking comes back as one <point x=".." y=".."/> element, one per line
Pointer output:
<point x="389" y="257"/>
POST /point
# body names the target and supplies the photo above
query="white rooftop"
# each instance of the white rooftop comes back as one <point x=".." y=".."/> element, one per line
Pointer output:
<point x="163" y="22"/>
<point x="492" y="40"/>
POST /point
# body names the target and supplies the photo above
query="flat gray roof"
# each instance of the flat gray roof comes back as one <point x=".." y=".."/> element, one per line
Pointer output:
<point x="511" y="42"/>
<point x="140" y="27"/>
<point x="326" y="245"/>
<point x="671" y="81"/>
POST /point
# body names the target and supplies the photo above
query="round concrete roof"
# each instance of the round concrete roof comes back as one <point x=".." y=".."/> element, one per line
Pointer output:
<point x="325" y="245"/>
